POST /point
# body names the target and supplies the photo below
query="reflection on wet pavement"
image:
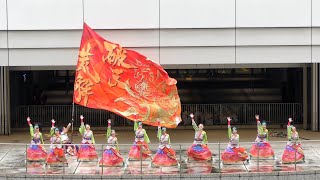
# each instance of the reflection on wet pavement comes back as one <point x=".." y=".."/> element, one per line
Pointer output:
<point x="12" y="161"/>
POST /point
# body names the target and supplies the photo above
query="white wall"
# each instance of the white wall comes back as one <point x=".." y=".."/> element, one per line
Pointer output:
<point x="191" y="33"/>
<point x="197" y="37"/>
<point x="4" y="57"/>
<point x="197" y="55"/>
<point x="315" y="13"/>
<point x="3" y="34"/>
<point x="274" y="54"/>
<point x="3" y="15"/>
<point x="197" y="13"/>
<point x="274" y="13"/>
<point x="316" y="42"/>
<point x="273" y="36"/>
<point x="3" y="39"/>
<point x="45" y="14"/>
<point x="122" y="14"/>
<point x="146" y="14"/>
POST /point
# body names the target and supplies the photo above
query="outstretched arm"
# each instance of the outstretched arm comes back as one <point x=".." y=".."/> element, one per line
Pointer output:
<point x="65" y="131"/>
<point x="258" y="120"/>
<point x="289" y="131"/>
<point x="159" y="133"/>
<point x="229" y="127"/>
<point x="135" y="126"/>
<point x="229" y="131"/>
<point x="30" y="127"/>
<point x="52" y="127"/>
<point x="194" y="125"/>
<point x="259" y="125"/>
<point x="159" y="130"/>
<point x="260" y="128"/>
<point x="108" y="130"/>
<point x="52" y="131"/>
<point x="81" y="129"/>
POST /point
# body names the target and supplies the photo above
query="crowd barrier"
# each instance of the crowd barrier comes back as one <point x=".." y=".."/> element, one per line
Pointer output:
<point x="207" y="114"/>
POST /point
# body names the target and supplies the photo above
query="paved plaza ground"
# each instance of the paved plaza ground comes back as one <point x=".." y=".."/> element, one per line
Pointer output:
<point x="12" y="156"/>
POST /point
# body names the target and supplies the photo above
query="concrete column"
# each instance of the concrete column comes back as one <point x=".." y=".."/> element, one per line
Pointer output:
<point x="315" y="97"/>
<point x="5" y="122"/>
<point x="305" y="96"/>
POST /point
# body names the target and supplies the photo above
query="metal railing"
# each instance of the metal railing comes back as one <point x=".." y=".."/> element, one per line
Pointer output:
<point x="14" y="161"/>
<point x="208" y="114"/>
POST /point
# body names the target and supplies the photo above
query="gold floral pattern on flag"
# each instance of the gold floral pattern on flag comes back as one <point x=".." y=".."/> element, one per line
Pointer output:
<point x="123" y="81"/>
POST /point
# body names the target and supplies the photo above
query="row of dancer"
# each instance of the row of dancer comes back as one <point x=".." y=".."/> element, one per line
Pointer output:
<point x="234" y="153"/>
<point x="60" y="144"/>
<point x="111" y="156"/>
<point x="261" y="148"/>
<point x="293" y="151"/>
<point x="165" y="155"/>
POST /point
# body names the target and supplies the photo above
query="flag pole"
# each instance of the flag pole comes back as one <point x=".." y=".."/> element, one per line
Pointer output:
<point x="72" y="119"/>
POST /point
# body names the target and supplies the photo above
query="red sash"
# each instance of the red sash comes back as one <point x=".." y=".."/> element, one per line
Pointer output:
<point x="169" y="152"/>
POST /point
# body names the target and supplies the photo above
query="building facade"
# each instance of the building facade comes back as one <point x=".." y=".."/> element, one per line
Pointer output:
<point x="178" y="34"/>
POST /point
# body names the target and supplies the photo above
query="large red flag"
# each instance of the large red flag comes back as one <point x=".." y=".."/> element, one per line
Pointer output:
<point x="125" y="82"/>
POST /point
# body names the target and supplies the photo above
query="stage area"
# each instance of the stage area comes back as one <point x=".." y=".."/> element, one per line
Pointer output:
<point x="12" y="155"/>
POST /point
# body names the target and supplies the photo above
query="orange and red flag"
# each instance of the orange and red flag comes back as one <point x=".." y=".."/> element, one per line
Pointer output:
<point x="124" y="82"/>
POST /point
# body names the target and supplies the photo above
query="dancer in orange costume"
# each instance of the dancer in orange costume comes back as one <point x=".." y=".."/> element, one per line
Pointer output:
<point x="261" y="144"/>
<point x="293" y="151"/>
<point x="140" y="145"/>
<point x="87" y="151"/>
<point x="234" y="153"/>
<point x="67" y="144"/>
<point x="165" y="155"/>
<point x="56" y="156"/>
<point x="199" y="151"/>
<point x="111" y="156"/>
<point x="36" y="152"/>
